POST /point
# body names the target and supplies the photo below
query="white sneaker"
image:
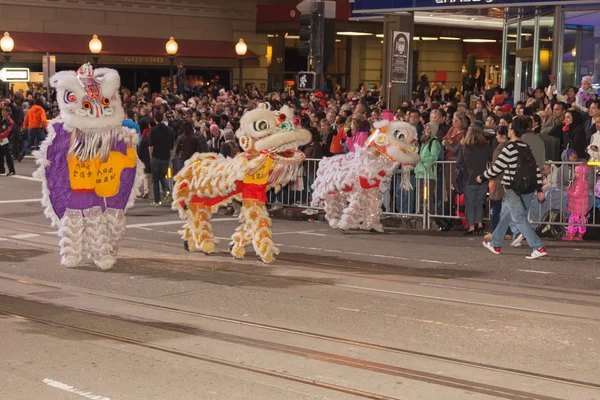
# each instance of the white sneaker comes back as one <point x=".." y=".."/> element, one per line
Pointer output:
<point x="488" y="245"/>
<point x="541" y="252"/>
<point x="518" y="241"/>
<point x="276" y="207"/>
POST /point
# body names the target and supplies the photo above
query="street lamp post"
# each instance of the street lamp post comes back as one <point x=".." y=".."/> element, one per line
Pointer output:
<point x="171" y="48"/>
<point x="7" y="44"/>
<point x="95" y="46"/>
<point x="241" y="48"/>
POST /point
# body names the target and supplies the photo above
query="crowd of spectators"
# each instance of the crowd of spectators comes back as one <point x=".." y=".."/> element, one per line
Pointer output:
<point x="468" y="128"/>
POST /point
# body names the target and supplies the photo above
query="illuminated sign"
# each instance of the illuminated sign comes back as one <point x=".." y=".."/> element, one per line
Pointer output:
<point x="463" y="1"/>
<point x="14" y="75"/>
<point x="307" y="81"/>
<point x="144" y="60"/>
<point x="386" y="6"/>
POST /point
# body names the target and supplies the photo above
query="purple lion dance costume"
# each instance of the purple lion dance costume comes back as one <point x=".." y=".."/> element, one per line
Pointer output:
<point x="88" y="166"/>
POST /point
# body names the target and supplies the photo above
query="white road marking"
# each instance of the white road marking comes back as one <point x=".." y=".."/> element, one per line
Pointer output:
<point x="297" y="233"/>
<point x="26" y="178"/>
<point x="51" y="233"/>
<point x="21" y="201"/>
<point x="477" y="303"/>
<point x="535" y="272"/>
<point x="172" y="223"/>
<point x="71" y="389"/>
<point x="311" y="234"/>
<point x="24" y="236"/>
<point x="368" y="255"/>
<point x="5" y="239"/>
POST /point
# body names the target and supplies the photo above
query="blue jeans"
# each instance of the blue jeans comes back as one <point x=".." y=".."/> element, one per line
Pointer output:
<point x="474" y="200"/>
<point x="159" y="173"/>
<point x="514" y="210"/>
<point x="404" y="199"/>
<point x="496" y="206"/>
<point x="32" y="134"/>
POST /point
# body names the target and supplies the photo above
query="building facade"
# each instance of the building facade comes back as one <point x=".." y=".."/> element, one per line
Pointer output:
<point x="134" y="34"/>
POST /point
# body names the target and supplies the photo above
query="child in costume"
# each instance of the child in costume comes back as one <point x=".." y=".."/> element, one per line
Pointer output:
<point x="577" y="205"/>
<point x="88" y="166"/>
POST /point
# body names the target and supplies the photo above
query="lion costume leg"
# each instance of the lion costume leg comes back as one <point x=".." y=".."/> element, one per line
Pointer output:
<point x="97" y="238"/>
<point x="334" y="206"/>
<point x="242" y="237"/>
<point x="71" y="238"/>
<point x="199" y="229"/>
<point x="371" y="210"/>
<point x="352" y="213"/>
<point x="115" y="220"/>
<point x="260" y="229"/>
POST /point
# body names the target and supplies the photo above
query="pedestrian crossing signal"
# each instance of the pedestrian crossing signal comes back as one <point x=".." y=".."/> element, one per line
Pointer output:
<point x="307" y="81"/>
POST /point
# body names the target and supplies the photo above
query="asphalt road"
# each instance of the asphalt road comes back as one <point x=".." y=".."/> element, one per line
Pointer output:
<point x="400" y="315"/>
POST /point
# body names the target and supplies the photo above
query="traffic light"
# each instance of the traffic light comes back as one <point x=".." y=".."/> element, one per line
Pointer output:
<point x="305" y="34"/>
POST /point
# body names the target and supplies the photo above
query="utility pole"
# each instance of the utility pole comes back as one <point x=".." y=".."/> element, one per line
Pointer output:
<point x="318" y="41"/>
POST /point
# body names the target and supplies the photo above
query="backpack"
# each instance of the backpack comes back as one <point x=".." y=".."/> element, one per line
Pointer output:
<point x="525" y="178"/>
<point x="550" y="226"/>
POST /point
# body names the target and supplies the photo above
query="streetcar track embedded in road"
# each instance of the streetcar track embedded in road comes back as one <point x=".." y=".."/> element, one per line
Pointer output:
<point x="344" y="361"/>
<point x="436" y="298"/>
<point x="314" y="335"/>
<point x="200" y="357"/>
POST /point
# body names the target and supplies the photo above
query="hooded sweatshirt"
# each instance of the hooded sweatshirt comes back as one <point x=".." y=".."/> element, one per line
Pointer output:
<point x="35" y="118"/>
<point x="578" y="192"/>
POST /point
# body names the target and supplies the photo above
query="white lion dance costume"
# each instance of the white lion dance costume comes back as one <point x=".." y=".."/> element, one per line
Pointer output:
<point x="88" y="166"/>
<point x="351" y="184"/>
<point x="270" y="160"/>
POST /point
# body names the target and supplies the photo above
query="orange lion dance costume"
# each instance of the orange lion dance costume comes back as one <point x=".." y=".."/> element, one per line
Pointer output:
<point x="270" y="160"/>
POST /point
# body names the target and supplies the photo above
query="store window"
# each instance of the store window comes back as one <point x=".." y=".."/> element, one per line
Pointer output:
<point x="511" y="55"/>
<point x="527" y="31"/>
<point x="545" y="56"/>
<point x="581" y="48"/>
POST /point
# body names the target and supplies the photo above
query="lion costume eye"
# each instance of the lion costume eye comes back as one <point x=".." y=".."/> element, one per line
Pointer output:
<point x="260" y="125"/>
<point x="105" y="101"/>
<point x="86" y="105"/>
<point x="399" y="135"/>
<point x="70" y="97"/>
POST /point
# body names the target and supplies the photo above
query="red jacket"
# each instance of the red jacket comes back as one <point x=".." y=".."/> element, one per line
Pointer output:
<point x="6" y="127"/>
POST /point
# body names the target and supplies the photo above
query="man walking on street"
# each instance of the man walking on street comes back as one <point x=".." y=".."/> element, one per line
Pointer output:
<point x="6" y="128"/>
<point x="522" y="179"/>
<point x="35" y="122"/>
<point x="161" y="141"/>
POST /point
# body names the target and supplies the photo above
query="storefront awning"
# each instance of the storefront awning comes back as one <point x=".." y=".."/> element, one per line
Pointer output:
<point x="53" y="43"/>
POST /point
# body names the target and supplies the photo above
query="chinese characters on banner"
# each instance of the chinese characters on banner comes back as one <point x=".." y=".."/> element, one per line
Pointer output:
<point x="400" y="53"/>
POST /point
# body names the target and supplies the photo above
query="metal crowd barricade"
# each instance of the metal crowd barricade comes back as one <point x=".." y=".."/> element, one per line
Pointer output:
<point x="297" y="193"/>
<point x="434" y="199"/>
<point x="445" y="201"/>
<point x="556" y="209"/>
<point x="396" y="201"/>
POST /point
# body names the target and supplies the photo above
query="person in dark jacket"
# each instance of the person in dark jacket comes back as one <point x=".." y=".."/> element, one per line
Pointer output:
<point x="6" y="128"/>
<point x="144" y="156"/>
<point x="574" y="133"/>
<point x="473" y="158"/>
<point x="186" y="144"/>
